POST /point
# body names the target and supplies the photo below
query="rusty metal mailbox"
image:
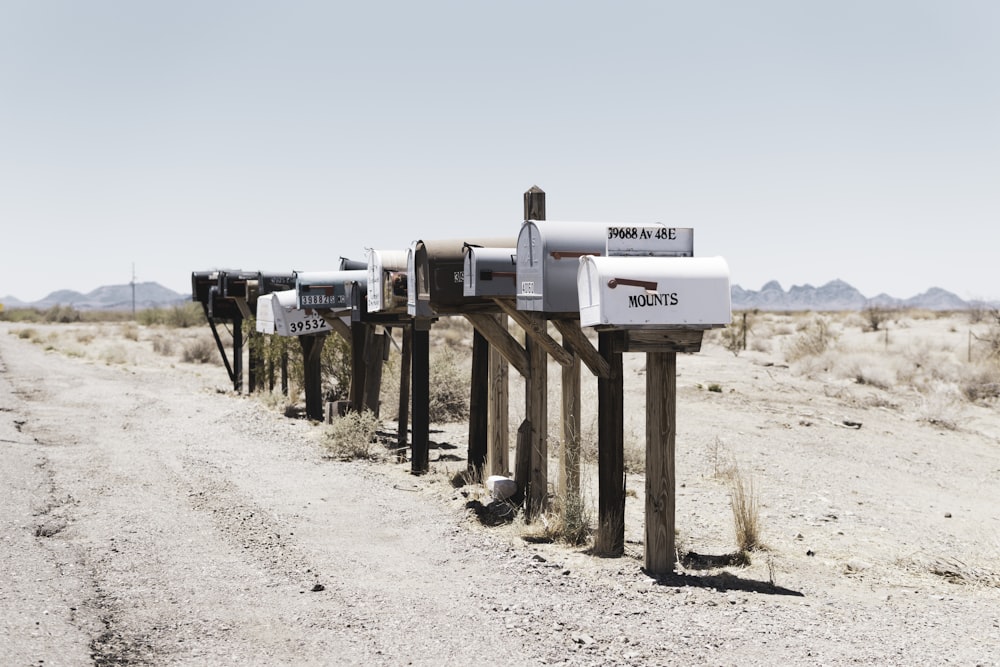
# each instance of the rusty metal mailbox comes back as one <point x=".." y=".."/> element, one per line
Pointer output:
<point x="326" y="290"/>
<point x="386" y="281"/>
<point x="436" y="275"/>
<point x="548" y="255"/>
<point x="490" y="272"/>
<point x="278" y="314"/>
<point x="654" y="292"/>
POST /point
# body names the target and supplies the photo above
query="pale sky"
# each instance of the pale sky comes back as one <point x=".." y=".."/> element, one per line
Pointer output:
<point x="804" y="141"/>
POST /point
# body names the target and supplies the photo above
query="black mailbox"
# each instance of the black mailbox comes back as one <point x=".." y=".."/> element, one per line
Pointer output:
<point x="436" y="275"/>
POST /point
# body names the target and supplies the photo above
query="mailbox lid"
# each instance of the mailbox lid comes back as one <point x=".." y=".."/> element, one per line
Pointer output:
<point x="548" y="253"/>
<point x="436" y="274"/>
<point x="489" y="272"/>
<point x="386" y="280"/>
<point x="654" y="292"/>
<point x="326" y="290"/>
<point x="275" y="282"/>
<point x="347" y="264"/>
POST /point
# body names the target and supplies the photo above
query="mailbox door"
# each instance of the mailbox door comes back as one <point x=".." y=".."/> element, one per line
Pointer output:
<point x="654" y="292"/>
<point x="490" y="272"/>
<point x="326" y="290"/>
<point x="386" y="281"/>
<point x="547" y="261"/>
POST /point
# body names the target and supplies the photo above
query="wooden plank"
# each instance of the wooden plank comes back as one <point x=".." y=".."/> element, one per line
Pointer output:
<point x="661" y="429"/>
<point x="535" y="327"/>
<point x="577" y="341"/>
<point x="609" y="539"/>
<point x="501" y="339"/>
<point x="376" y="347"/>
<point x="339" y="326"/>
<point x="658" y="340"/>
<point x="498" y="438"/>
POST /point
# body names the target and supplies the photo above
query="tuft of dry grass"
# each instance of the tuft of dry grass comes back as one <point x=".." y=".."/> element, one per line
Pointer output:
<point x="353" y="436"/>
<point x="746" y="510"/>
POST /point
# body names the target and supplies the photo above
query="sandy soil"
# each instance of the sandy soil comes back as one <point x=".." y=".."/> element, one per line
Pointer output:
<point x="152" y="516"/>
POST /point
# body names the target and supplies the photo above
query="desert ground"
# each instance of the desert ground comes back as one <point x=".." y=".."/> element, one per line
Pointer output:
<point x="153" y="516"/>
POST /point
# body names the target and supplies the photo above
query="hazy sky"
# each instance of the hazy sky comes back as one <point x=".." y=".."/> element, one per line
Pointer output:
<point x="803" y="140"/>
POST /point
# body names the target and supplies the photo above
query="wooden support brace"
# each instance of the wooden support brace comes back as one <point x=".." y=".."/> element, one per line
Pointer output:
<point x="338" y="325"/>
<point x="501" y="339"/>
<point x="535" y="327"/>
<point x="579" y="343"/>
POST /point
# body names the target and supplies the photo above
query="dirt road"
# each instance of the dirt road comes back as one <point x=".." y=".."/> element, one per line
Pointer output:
<point x="150" y="518"/>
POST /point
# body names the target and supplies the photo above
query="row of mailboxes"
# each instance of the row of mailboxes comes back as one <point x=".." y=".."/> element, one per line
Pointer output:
<point x="561" y="269"/>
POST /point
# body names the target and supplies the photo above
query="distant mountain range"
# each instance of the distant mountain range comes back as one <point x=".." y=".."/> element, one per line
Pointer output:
<point x="838" y="295"/>
<point x="834" y="295"/>
<point x="110" y="297"/>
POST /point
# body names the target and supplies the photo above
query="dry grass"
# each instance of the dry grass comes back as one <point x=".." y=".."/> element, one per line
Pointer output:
<point x="354" y="436"/>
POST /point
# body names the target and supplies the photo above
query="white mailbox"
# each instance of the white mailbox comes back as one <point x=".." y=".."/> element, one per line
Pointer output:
<point x="489" y="272"/>
<point x="277" y="314"/>
<point x="548" y="254"/>
<point x="326" y="290"/>
<point x="654" y="292"/>
<point x="436" y="274"/>
<point x="386" y="281"/>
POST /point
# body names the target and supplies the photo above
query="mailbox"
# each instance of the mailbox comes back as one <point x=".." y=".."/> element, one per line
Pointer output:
<point x="386" y="281"/>
<point x="352" y="264"/>
<point x="490" y="272"/>
<point x="275" y="282"/>
<point x="233" y="284"/>
<point x="436" y="276"/>
<point x="206" y="289"/>
<point x="326" y="290"/>
<point x="654" y="292"/>
<point x="277" y="314"/>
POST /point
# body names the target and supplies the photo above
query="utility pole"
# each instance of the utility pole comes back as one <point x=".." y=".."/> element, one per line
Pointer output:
<point x="133" y="290"/>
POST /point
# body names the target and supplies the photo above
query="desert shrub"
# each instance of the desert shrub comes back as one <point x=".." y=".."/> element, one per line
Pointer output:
<point x="874" y="315"/>
<point x="61" y="314"/>
<point x="200" y="351"/>
<point x="812" y="339"/>
<point x="734" y="336"/>
<point x="130" y="331"/>
<point x="114" y="354"/>
<point x="335" y="365"/>
<point x="982" y="385"/>
<point x="26" y="334"/>
<point x="573" y="524"/>
<point x="449" y="387"/>
<point x="353" y="436"/>
<point x="85" y="337"/>
<point x="163" y="345"/>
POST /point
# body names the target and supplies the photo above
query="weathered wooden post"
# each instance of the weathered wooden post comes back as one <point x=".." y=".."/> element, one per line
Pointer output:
<point x="661" y="429"/>
<point x="238" y="352"/>
<point x="498" y="438"/>
<point x="420" y="446"/>
<point x="535" y="395"/>
<point x="478" y="400"/>
<point x="610" y="537"/>
<point x="356" y="396"/>
<point x="312" y="349"/>
<point x="403" y="418"/>
<point x="376" y="348"/>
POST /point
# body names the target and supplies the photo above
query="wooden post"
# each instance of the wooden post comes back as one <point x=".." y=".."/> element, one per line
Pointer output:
<point x="376" y="346"/>
<point x="498" y="438"/>
<point x="536" y="410"/>
<point x="661" y="429"/>
<point x="569" y="462"/>
<point x="420" y="460"/>
<point x="610" y="537"/>
<point x="478" y="400"/>
<point x="253" y="347"/>
<point x="534" y="203"/>
<point x="312" y="348"/>
<point x="359" y="331"/>
<point x="238" y="353"/>
<point x="284" y="369"/>
<point x="404" y="394"/>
